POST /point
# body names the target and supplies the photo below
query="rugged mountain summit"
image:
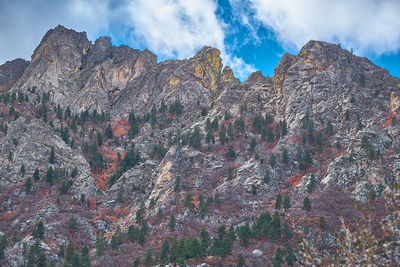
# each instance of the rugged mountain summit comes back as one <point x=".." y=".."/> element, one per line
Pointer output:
<point x="117" y="153"/>
<point x="11" y="71"/>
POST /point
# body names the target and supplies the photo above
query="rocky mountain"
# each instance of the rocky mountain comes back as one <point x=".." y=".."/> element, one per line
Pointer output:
<point x="109" y="157"/>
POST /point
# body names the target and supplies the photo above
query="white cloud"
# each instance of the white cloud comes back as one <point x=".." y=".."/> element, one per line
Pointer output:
<point x="368" y="26"/>
<point x="179" y="28"/>
<point x="25" y="22"/>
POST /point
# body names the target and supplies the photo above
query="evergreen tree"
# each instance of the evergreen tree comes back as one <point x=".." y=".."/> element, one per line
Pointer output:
<point x="253" y="189"/>
<point x="272" y="160"/>
<point x="59" y="113"/>
<point x="85" y="258"/>
<point x="240" y="261"/>
<point x="283" y="126"/>
<point x="307" y="204"/>
<point x="244" y="234"/>
<point x="230" y="131"/>
<point x="278" y="258"/>
<point x="311" y="184"/>
<point x="231" y="152"/>
<point x="278" y="201"/>
<point x="136" y="262"/>
<point x="188" y="200"/>
<point x="329" y="128"/>
<point x="266" y="179"/>
<point x="204" y="240"/>
<point x="252" y="145"/>
<point x="28" y="185"/>
<point x="99" y="136"/>
<point x="210" y="136"/>
<point x="50" y="175"/>
<point x="38" y="232"/>
<point x="195" y="138"/>
<point x="286" y="202"/>
<point x="140" y="214"/>
<point x="108" y="133"/>
<point x="100" y="245"/>
<point x="74" y="172"/>
<point x="172" y="223"/>
<point x="164" y="252"/>
<point x="285" y="156"/>
<point x="52" y="158"/>
<point x="322" y="223"/>
<point x="117" y="238"/>
<point x="148" y="258"/>
<point x="290" y="257"/>
<point x="222" y="135"/>
<point x="42" y="260"/>
<point x="22" y="170"/>
<point x="3" y="245"/>
<point x="239" y="125"/>
<point x="287" y="232"/>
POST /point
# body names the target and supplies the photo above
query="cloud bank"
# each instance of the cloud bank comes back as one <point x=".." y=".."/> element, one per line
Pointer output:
<point x="368" y="26"/>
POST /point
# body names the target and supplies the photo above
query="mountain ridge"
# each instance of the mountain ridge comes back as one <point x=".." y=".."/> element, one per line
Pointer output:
<point x="95" y="140"/>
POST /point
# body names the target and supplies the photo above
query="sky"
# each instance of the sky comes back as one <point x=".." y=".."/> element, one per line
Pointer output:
<point x="251" y="34"/>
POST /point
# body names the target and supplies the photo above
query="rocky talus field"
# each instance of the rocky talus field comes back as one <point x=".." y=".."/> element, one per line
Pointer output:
<point x="109" y="157"/>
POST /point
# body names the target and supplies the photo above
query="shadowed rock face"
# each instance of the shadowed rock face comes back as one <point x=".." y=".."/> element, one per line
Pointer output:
<point x="11" y="71"/>
<point x="322" y="87"/>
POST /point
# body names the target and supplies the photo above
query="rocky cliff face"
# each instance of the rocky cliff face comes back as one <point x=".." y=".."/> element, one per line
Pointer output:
<point x="11" y="71"/>
<point x="135" y="140"/>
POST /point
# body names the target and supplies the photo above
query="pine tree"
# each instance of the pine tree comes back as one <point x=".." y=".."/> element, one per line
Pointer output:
<point x="74" y="172"/>
<point x="240" y="261"/>
<point x="287" y="232"/>
<point x="204" y="240"/>
<point x="230" y="131"/>
<point x="140" y="214"/>
<point x="244" y="234"/>
<point x="100" y="141"/>
<point x="52" y="158"/>
<point x="85" y="258"/>
<point x="117" y="238"/>
<point x="22" y="170"/>
<point x="290" y="257"/>
<point x="231" y="152"/>
<point x="307" y="204"/>
<point x="285" y="156"/>
<point x="50" y="175"/>
<point x="311" y="184"/>
<point x="278" y="258"/>
<point x="222" y="135"/>
<point x="188" y="200"/>
<point x="38" y="232"/>
<point x="286" y="202"/>
<point x="42" y="260"/>
<point x="3" y="245"/>
<point x="108" y="133"/>
<point x="195" y="138"/>
<point x="266" y="179"/>
<point x="272" y="160"/>
<point x="148" y="258"/>
<point x="253" y="189"/>
<point x="136" y="262"/>
<point x="28" y="185"/>
<point x="322" y="223"/>
<point x="172" y="223"/>
<point x="100" y="245"/>
<point x="164" y="252"/>
<point x="252" y="145"/>
<point x="278" y="201"/>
